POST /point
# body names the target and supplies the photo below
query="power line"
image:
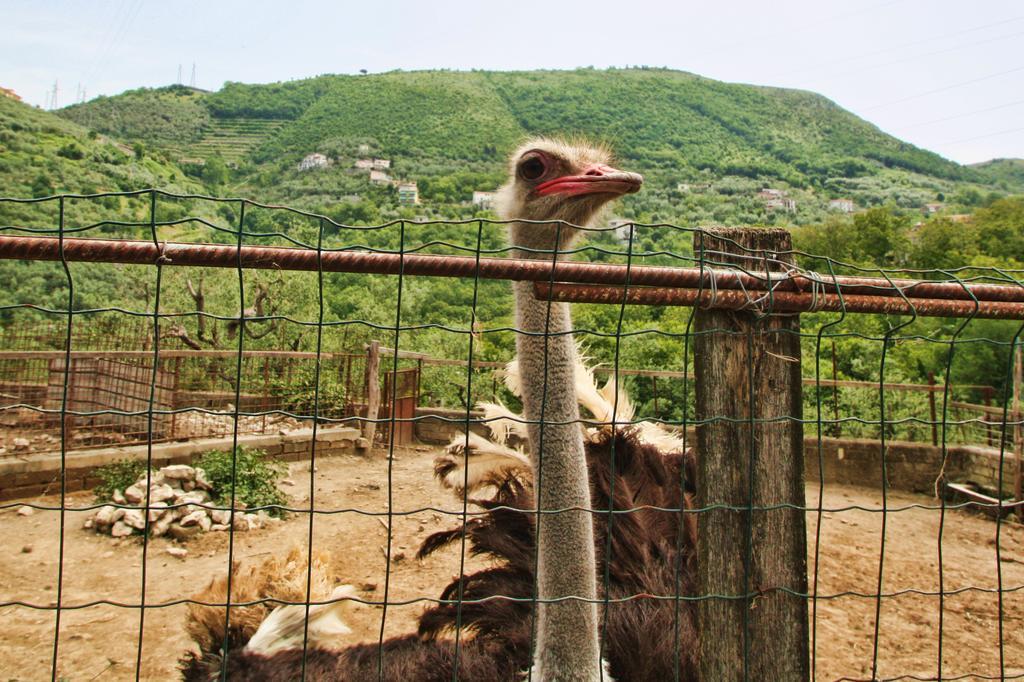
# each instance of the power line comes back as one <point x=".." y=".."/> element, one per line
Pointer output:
<point x="963" y="115"/>
<point x="929" y="54"/>
<point x="944" y="88"/>
<point x="979" y="137"/>
<point x="827" y="65"/>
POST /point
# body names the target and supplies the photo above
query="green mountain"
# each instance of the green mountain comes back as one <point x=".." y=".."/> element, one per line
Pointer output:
<point x="42" y="154"/>
<point x="1009" y="173"/>
<point x="659" y="117"/>
<point x="706" y="147"/>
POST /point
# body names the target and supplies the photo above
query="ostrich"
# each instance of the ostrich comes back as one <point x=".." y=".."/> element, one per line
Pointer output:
<point x="610" y="407"/>
<point x="651" y="548"/>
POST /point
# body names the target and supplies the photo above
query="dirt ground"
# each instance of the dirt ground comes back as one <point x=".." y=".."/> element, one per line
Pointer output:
<point x="102" y="642"/>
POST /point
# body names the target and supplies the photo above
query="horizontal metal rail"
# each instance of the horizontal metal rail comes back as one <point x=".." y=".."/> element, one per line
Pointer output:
<point x="780" y="301"/>
<point x="719" y="287"/>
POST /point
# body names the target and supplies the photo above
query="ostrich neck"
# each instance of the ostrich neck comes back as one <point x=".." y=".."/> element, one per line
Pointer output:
<point x="567" y="631"/>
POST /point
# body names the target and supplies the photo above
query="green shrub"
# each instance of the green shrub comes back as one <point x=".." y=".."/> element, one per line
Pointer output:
<point x="255" y="481"/>
<point x="117" y="476"/>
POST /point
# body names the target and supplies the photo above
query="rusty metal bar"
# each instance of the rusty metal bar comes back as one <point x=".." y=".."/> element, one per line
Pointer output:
<point x="780" y="301"/>
<point x="285" y="258"/>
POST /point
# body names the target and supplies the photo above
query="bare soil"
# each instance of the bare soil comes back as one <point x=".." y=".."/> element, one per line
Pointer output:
<point x="102" y="642"/>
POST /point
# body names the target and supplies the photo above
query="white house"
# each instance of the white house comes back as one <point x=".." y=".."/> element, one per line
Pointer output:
<point x="842" y="205"/>
<point x="484" y="200"/>
<point x="315" y="160"/>
<point x="379" y="177"/>
<point x="364" y="164"/>
<point x="781" y="204"/>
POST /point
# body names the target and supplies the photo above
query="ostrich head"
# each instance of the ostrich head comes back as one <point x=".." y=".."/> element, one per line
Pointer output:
<point x="559" y="181"/>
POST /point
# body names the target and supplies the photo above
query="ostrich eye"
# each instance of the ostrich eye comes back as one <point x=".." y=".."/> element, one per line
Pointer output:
<point x="532" y="168"/>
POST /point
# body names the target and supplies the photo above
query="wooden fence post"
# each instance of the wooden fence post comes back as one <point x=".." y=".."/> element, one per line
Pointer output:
<point x="372" y="391"/>
<point x="1018" y="437"/>
<point x="749" y="369"/>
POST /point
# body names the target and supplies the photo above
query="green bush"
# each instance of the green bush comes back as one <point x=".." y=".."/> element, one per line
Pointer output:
<point x="255" y="480"/>
<point x="117" y="476"/>
<point x="256" y="477"/>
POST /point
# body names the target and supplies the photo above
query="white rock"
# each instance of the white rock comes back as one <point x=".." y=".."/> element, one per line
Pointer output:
<point x="242" y="522"/>
<point x="218" y="526"/>
<point x="178" y="472"/>
<point x="118" y="497"/>
<point x="201" y="480"/>
<point x="194" y="497"/>
<point x="120" y="530"/>
<point x="108" y="514"/>
<point x="134" y="518"/>
<point x="88" y="523"/>
<point x="221" y="516"/>
<point x="205" y="523"/>
<point x="156" y="510"/>
<point x="179" y="552"/>
<point x="187" y="485"/>
<point x="194" y="519"/>
<point x="160" y="493"/>
<point x="135" y="493"/>
<point x="163" y="523"/>
<point x="20" y="443"/>
<point x="26" y="511"/>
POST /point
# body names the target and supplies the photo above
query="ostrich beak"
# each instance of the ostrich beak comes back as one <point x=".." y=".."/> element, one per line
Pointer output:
<point x="595" y="179"/>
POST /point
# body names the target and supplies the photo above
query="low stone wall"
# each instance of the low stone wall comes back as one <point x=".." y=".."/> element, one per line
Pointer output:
<point x="39" y="473"/>
<point x="437" y="425"/>
<point x="909" y="466"/>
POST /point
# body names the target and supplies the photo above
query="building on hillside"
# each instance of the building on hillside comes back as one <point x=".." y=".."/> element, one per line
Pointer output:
<point x="483" y="200"/>
<point x="781" y="204"/>
<point x="959" y="217"/>
<point x="769" y="193"/>
<point x="408" y="194"/>
<point x="380" y="177"/>
<point x="315" y="160"/>
<point x="932" y="208"/>
<point x="364" y="149"/>
<point x="693" y="187"/>
<point x="620" y="227"/>
<point x="373" y="164"/>
<point x="842" y="205"/>
<point x="7" y="92"/>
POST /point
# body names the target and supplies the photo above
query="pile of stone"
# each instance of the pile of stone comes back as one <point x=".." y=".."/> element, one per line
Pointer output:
<point x="175" y="495"/>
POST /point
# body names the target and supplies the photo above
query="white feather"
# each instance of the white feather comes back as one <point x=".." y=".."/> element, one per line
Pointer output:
<point x="484" y="458"/>
<point x="284" y="628"/>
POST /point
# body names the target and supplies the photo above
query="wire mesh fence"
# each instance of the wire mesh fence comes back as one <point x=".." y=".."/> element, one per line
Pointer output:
<point x="145" y="317"/>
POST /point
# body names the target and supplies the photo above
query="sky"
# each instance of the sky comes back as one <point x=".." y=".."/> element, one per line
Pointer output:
<point x="944" y="75"/>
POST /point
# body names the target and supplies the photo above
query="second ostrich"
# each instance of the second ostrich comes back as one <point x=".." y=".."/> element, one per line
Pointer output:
<point x="647" y="634"/>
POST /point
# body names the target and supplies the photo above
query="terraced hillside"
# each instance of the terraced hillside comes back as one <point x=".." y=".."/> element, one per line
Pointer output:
<point x="234" y="138"/>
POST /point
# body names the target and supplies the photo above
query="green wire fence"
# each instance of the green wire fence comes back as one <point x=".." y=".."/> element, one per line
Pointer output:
<point x="233" y="280"/>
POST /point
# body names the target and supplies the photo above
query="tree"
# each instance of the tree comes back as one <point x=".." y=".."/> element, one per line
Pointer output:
<point x="215" y="172"/>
